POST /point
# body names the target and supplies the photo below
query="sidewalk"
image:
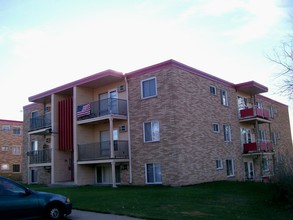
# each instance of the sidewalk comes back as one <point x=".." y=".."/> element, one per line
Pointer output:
<point x="84" y="215"/>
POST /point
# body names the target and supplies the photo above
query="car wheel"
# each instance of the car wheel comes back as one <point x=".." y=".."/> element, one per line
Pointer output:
<point x="54" y="212"/>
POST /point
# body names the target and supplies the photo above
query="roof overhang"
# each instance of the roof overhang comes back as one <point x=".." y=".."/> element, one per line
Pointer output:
<point x="93" y="81"/>
<point x="251" y="88"/>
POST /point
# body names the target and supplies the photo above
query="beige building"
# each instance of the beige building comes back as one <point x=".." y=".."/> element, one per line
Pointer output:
<point x="11" y="148"/>
<point x="165" y="124"/>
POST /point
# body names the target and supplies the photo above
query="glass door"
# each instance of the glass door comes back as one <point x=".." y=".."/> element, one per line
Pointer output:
<point x="249" y="170"/>
<point x="113" y="102"/>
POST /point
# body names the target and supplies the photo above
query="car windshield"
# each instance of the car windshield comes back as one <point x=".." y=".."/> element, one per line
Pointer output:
<point x="10" y="186"/>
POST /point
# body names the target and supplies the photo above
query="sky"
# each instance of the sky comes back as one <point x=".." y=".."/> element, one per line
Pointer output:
<point x="47" y="43"/>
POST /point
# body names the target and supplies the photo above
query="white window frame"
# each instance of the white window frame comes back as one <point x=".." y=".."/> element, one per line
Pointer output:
<point x="154" y="169"/>
<point x="141" y="88"/>
<point x="5" y="128"/>
<point x="16" y="128"/>
<point x="13" y="165"/>
<point x="224" y="98"/>
<point x="155" y="135"/>
<point x="213" y="90"/>
<point x="227" y="133"/>
<point x="216" y="125"/>
<point x="228" y="168"/>
<point x="265" y="164"/>
<point x="16" y="150"/>
<point x="219" y="164"/>
<point x="5" y="167"/>
<point x="5" y="148"/>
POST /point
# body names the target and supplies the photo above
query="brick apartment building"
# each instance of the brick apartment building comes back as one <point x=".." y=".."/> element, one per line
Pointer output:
<point x="11" y="148"/>
<point x="165" y="124"/>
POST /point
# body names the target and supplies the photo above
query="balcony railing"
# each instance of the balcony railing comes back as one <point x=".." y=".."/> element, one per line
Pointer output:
<point x="254" y="112"/>
<point x="101" y="150"/>
<point x="40" y="122"/>
<point x="40" y="156"/>
<point x="102" y="107"/>
<point x="264" y="146"/>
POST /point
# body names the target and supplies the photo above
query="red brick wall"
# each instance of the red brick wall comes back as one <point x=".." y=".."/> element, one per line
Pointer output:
<point x="7" y="138"/>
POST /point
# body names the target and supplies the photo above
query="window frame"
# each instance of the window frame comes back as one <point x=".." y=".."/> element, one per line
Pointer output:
<point x="5" y="148"/>
<point x="16" y="150"/>
<point x="5" y="128"/>
<point x="218" y="126"/>
<point x="219" y="164"/>
<point x="3" y="165"/>
<point x="154" y="169"/>
<point x="232" y="174"/>
<point x="213" y="90"/>
<point x="265" y="164"/>
<point x="142" y="86"/>
<point x="13" y="168"/>
<point x="16" y="128"/>
<point x="224" y="97"/>
<point x="153" y="136"/>
<point x="227" y="135"/>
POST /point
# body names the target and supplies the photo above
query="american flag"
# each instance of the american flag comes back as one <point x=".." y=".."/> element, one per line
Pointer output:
<point x="83" y="110"/>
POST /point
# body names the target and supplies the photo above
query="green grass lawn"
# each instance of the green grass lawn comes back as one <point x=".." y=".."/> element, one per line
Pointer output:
<point x="217" y="200"/>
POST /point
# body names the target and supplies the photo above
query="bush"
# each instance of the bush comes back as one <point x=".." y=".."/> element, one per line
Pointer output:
<point x="284" y="184"/>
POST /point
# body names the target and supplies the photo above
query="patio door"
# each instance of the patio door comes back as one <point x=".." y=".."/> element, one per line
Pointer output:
<point x="108" y="102"/>
<point x="113" y="101"/>
<point x="249" y="170"/>
<point x="105" y="143"/>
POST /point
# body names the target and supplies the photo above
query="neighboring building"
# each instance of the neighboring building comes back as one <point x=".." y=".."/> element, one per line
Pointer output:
<point x="165" y="124"/>
<point x="11" y="149"/>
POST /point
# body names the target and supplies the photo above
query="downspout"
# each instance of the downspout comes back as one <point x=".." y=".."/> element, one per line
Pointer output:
<point x="128" y="126"/>
<point x="28" y="159"/>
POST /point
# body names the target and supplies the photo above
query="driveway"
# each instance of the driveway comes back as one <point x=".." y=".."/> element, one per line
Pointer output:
<point x="84" y="215"/>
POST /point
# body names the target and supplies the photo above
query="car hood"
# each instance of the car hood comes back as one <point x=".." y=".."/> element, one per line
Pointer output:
<point x="49" y="196"/>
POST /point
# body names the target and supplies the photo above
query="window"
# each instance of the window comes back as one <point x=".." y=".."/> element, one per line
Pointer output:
<point x="16" y="130"/>
<point x="5" y="166"/>
<point x="5" y="148"/>
<point x="230" y="167"/>
<point x="16" y="168"/>
<point x="274" y="137"/>
<point x="148" y="88"/>
<point x="224" y="97"/>
<point x="219" y="164"/>
<point x="216" y="128"/>
<point x="213" y="90"/>
<point x="265" y="164"/>
<point x="153" y="173"/>
<point x="262" y="135"/>
<point x="151" y="131"/>
<point x="227" y="133"/>
<point x="272" y="111"/>
<point x="16" y="150"/>
<point x="5" y="128"/>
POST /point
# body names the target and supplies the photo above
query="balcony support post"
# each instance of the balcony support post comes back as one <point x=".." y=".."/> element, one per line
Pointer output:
<point x="112" y="153"/>
<point x="113" y="174"/>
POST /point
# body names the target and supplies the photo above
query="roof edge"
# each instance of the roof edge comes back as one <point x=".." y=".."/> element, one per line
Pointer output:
<point x="76" y="83"/>
<point x="179" y="65"/>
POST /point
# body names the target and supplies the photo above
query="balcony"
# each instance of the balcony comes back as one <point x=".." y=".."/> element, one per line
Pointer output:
<point x="265" y="146"/>
<point x="102" y="107"/>
<point x="40" y="156"/>
<point x="102" y="150"/>
<point x="40" y="122"/>
<point x="254" y="113"/>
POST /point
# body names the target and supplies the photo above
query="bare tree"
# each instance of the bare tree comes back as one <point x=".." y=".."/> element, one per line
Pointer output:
<point x="284" y="58"/>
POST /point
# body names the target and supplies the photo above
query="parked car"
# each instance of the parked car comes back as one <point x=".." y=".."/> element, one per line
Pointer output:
<point x="19" y="202"/>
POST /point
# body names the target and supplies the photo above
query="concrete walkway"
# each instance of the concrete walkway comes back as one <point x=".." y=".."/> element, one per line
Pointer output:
<point x="84" y="215"/>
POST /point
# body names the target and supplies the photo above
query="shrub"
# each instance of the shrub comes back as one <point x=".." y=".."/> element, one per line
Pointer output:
<point x="284" y="183"/>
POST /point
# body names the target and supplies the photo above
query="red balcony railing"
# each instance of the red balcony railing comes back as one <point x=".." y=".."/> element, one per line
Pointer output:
<point x="254" y="112"/>
<point x="264" y="146"/>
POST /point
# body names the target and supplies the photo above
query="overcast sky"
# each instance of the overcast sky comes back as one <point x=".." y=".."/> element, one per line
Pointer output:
<point x="47" y="43"/>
